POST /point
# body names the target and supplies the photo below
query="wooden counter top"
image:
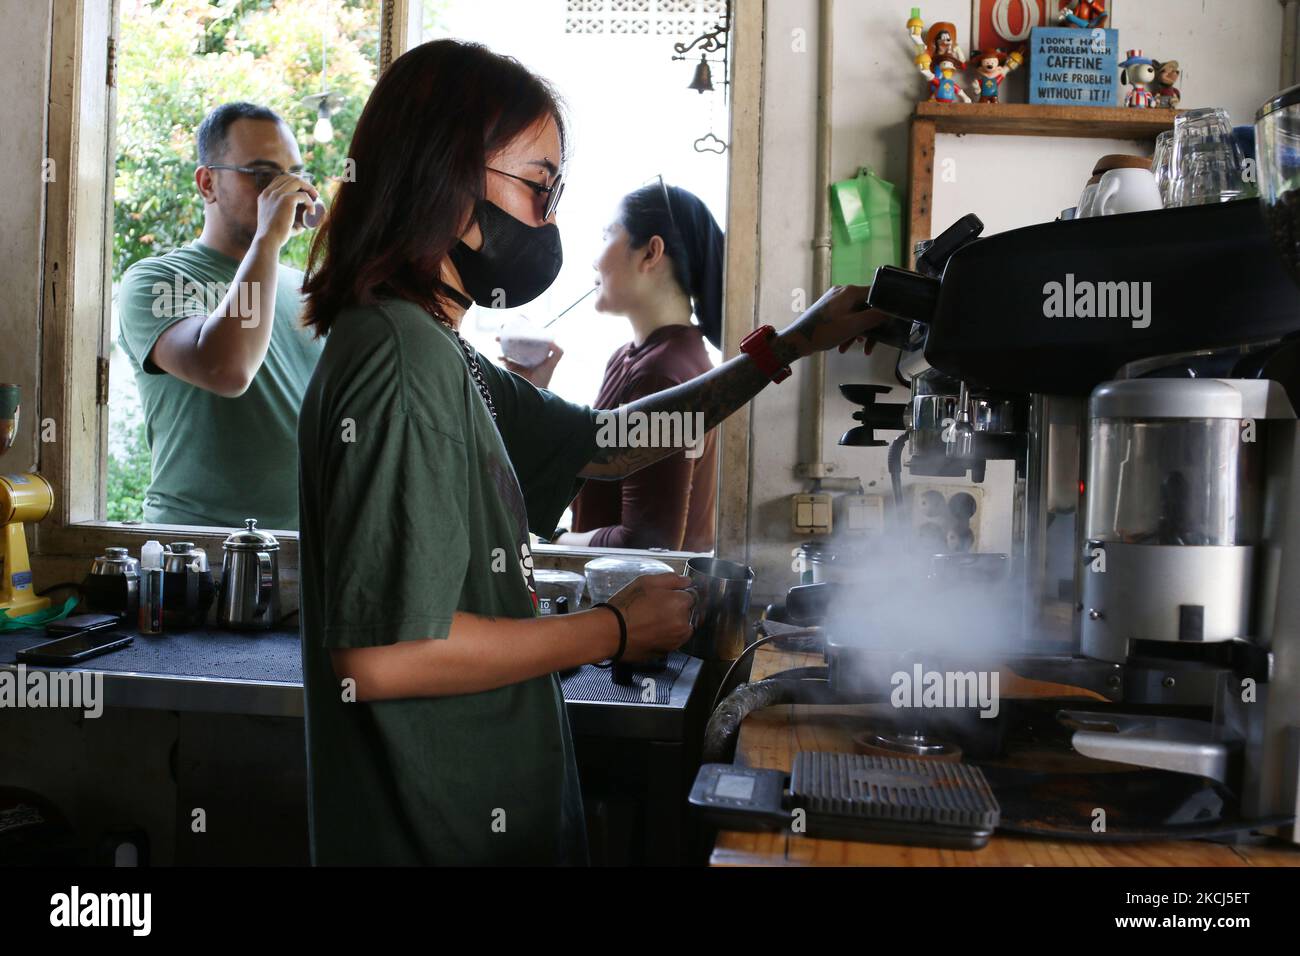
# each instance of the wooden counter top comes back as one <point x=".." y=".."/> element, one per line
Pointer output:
<point x="770" y="738"/>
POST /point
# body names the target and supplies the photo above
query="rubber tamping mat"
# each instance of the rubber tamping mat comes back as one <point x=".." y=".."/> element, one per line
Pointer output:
<point x="592" y="683"/>
<point x="893" y="789"/>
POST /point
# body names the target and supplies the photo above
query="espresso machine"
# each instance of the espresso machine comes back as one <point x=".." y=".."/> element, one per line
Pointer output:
<point x="1147" y="395"/>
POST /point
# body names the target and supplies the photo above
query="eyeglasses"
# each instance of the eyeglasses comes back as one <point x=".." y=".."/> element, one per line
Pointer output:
<point x="552" y="192"/>
<point x="668" y="204"/>
<point x="263" y="176"/>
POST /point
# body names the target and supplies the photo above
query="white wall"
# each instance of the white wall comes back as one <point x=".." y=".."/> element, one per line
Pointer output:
<point x="24" y="75"/>
<point x="1229" y="51"/>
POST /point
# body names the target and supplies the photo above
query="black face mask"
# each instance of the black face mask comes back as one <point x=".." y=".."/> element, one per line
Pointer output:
<point x="517" y="263"/>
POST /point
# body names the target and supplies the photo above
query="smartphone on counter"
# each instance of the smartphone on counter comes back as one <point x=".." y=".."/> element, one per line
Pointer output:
<point x="80" y="623"/>
<point x="74" y="648"/>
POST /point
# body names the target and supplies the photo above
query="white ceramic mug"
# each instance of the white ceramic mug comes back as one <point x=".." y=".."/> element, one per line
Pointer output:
<point x="1127" y="190"/>
<point x="1087" y="202"/>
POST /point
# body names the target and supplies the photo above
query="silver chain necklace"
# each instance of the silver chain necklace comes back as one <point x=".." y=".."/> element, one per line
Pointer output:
<point x="475" y="372"/>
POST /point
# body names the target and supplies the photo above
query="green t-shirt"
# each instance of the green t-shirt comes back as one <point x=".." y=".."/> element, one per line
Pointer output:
<point x="414" y="505"/>
<point x="216" y="461"/>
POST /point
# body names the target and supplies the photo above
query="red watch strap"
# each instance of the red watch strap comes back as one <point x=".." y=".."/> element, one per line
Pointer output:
<point x="758" y="346"/>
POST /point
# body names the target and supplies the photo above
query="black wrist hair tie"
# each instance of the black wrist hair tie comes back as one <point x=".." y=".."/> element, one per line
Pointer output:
<point x="622" y="634"/>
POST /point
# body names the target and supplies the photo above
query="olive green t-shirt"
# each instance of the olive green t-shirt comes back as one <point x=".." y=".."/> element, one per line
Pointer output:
<point x="414" y="505"/>
<point x="216" y="461"/>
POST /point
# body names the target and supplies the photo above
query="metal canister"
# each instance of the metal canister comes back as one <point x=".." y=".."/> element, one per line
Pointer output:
<point x="722" y="603"/>
<point x="250" y="580"/>
<point x="815" y="562"/>
<point x="189" y="589"/>
<point x="113" y="584"/>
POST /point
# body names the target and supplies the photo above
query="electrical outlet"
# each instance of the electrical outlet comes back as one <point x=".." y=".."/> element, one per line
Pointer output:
<point x="812" y="514"/>
<point x="946" y="517"/>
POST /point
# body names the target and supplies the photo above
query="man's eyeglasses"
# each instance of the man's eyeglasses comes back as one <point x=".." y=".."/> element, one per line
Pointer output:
<point x="551" y="192"/>
<point x="263" y="176"/>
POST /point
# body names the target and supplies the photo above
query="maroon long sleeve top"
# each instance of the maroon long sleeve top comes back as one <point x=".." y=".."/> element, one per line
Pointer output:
<point x="670" y="504"/>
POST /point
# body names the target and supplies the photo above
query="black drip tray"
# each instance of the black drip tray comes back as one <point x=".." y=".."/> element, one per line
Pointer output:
<point x="596" y="684"/>
<point x="858" y="786"/>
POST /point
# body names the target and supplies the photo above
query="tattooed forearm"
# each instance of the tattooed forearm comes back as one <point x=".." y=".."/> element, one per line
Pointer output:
<point x="714" y="395"/>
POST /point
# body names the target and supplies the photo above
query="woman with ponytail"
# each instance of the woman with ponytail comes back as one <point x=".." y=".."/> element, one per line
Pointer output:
<point x="662" y="262"/>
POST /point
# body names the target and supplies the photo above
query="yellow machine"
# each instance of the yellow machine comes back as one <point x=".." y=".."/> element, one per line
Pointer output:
<point x="22" y="498"/>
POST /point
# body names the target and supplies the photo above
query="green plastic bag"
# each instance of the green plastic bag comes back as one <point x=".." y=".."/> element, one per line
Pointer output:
<point x="866" y="228"/>
<point x="37" y="618"/>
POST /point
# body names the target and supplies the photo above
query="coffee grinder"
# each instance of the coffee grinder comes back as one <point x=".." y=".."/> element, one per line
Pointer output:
<point x="23" y="498"/>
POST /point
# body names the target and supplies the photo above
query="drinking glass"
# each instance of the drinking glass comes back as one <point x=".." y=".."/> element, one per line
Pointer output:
<point x="1206" y="161"/>
<point x="1162" y="163"/>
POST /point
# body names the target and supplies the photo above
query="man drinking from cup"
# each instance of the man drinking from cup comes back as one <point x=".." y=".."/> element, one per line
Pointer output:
<point x="213" y="336"/>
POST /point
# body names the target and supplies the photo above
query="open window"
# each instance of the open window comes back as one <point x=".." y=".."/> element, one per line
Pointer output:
<point x="132" y="79"/>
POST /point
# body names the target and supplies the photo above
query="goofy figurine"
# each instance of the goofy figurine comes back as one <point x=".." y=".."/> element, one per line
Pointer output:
<point x="939" y="40"/>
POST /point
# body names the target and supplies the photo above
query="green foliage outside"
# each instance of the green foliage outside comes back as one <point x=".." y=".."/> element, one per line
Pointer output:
<point x="177" y="60"/>
<point x="128" y="474"/>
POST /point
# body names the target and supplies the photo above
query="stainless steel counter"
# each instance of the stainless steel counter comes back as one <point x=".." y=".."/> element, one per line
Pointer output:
<point x="260" y="674"/>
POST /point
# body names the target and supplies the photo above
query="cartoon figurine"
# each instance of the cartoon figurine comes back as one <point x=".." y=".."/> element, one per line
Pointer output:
<point x="916" y="26"/>
<point x="1138" y="72"/>
<point x="943" y="80"/>
<point x="990" y="72"/>
<point x="1166" y="87"/>
<point x="1088" y="14"/>
<point x="938" y="48"/>
<point x="939" y="40"/>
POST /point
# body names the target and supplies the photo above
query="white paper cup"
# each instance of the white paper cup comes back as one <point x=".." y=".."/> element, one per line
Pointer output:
<point x="524" y="343"/>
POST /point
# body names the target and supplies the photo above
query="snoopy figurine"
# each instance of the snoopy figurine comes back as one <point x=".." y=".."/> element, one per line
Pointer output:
<point x="1138" y="72"/>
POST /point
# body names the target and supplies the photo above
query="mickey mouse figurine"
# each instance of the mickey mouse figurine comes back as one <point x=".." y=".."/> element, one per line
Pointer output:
<point x="1139" y="72"/>
<point x="1088" y="14"/>
<point x="990" y="71"/>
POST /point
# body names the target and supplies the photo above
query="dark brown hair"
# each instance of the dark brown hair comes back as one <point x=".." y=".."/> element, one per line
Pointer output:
<point x="420" y="153"/>
<point x="693" y="242"/>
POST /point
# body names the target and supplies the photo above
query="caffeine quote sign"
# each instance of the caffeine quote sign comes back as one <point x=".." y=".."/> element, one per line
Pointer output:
<point x="1072" y="67"/>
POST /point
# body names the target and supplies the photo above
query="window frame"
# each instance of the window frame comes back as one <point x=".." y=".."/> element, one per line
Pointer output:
<point x="73" y="332"/>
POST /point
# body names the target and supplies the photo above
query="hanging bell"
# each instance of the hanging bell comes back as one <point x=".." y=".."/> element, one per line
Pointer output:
<point x="703" y="81"/>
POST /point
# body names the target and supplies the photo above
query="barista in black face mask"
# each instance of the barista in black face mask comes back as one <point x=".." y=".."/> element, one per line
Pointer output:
<point x="516" y="262"/>
<point x="415" y="555"/>
<point x="436" y="731"/>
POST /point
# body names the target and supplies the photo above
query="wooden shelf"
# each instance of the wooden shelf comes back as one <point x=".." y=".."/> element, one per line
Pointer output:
<point x="1011" y="119"/>
<point x="1023" y="119"/>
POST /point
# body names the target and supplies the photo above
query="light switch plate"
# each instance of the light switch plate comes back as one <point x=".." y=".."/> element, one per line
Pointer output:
<point x="861" y="514"/>
<point x="812" y="514"/>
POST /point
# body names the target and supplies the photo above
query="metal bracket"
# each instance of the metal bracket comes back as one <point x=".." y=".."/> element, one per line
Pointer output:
<point x="1147" y="740"/>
